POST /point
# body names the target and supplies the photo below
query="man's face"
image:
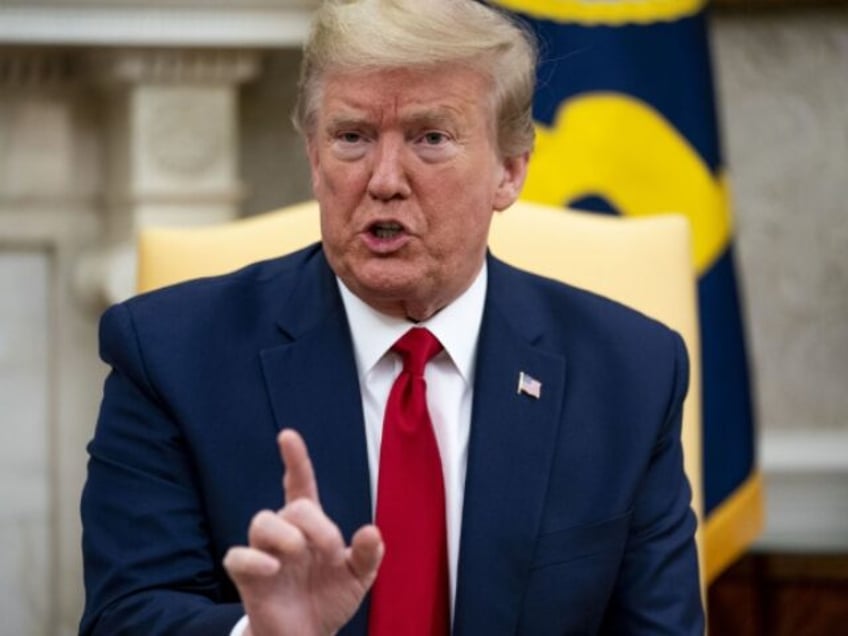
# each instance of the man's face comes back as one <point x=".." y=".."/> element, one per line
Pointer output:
<point x="407" y="173"/>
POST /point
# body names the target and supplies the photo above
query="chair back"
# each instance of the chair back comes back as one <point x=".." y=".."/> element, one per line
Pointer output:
<point x="644" y="262"/>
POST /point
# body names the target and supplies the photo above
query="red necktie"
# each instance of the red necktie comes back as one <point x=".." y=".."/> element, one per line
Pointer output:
<point x="410" y="595"/>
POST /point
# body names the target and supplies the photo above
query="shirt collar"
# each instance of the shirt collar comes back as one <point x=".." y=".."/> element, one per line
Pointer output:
<point x="457" y="327"/>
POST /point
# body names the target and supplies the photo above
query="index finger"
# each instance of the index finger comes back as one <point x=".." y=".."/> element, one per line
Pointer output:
<point x="299" y="477"/>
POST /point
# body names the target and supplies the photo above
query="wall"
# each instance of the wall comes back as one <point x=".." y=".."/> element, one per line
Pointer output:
<point x="273" y="161"/>
<point x="783" y="82"/>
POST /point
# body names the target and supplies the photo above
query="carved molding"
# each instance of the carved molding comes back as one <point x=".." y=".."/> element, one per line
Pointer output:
<point x="199" y="5"/>
<point x="182" y="140"/>
<point x="142" y="66"/>
<point x="35" y="68"/>
<point x="172" y="153"/>
<point x="202" y="24"/>
<point x="806" y="474"/>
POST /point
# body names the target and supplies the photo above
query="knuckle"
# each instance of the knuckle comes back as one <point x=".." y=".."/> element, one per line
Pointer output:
<point x="298" y="508"/>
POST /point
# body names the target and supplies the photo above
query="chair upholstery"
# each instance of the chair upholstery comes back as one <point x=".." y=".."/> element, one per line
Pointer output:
<point x="645" y="263"/>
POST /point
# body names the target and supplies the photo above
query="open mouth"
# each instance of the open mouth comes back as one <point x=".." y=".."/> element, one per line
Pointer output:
<point x="385" y="230"/>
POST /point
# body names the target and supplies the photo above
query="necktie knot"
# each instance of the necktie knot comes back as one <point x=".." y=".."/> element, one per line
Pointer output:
<point x="417" y="347"/>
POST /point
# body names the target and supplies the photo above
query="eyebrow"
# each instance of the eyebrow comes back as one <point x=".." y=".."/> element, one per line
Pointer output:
<point x="439" y="115"/>
<point x="346" y="120"/>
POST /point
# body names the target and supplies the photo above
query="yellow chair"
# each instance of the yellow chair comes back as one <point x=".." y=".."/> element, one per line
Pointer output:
<point x="645" y="263"/>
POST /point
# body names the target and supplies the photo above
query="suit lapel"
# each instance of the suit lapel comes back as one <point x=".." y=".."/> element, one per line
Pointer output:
<point x="313" y="388"/>
<point x="509" y="457"/>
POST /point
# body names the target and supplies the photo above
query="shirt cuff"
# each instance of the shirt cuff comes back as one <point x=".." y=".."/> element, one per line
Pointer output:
<point x="239" y="628"/>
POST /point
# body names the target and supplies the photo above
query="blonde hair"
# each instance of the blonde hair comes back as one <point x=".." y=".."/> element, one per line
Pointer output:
<point x="358" y="35"/>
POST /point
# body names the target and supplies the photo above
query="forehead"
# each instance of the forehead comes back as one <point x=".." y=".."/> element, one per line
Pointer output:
<point x="445" y="91"/>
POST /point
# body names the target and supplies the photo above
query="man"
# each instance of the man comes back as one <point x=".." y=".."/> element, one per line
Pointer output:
<point x="555" y="501"/>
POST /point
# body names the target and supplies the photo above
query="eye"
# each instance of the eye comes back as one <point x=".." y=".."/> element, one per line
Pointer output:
<point x="349" y="137"/>
<point x="349" y="144"/>
<point x="434" y="138"/>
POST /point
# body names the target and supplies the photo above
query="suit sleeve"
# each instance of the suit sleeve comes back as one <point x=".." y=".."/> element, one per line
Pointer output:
<point x="658" y="590"/>
<point x="149" y="566"/>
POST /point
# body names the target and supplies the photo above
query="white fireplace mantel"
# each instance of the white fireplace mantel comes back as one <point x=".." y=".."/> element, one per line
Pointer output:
<point x="114" y="115"/>
<point x="152" y="65"/>
<point x="186" y="23"/>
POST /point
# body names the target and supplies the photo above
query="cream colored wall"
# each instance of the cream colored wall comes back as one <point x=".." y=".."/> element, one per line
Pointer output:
<point x="274" y="165"/>
<point x="24" y="462"/>
<point x="783" y="80"/>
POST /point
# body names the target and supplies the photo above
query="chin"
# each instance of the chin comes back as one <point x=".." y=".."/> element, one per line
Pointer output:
<point x="386" y="291"/>
<point x="382" y="292"/>
<point x="386" y="274"/>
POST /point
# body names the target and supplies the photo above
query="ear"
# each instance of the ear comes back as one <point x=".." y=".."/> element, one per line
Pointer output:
<point x="514" y="171"/>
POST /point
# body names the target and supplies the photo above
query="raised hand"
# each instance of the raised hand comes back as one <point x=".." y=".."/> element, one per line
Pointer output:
<point x="297" y="576"/>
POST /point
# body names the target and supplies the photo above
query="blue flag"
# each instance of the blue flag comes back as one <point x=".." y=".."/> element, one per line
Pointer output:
<point x="626" y="125"/>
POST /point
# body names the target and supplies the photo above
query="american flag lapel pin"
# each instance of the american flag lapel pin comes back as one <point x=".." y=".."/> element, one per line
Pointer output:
<point x="528" y="385"/>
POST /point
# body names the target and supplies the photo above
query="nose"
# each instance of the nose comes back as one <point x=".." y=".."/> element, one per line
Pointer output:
<point x="388" y="176"/>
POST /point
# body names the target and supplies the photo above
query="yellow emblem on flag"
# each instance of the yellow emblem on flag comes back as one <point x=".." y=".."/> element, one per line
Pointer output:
<point x="611" y="12"/>
<point x="618" y="147"/>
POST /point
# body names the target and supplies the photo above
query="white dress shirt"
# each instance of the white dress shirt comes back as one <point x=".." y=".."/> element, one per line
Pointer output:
<point x="450" y="382"/>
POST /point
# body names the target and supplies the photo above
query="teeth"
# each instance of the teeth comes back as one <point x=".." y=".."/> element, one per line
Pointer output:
<point x="386" y="230"/>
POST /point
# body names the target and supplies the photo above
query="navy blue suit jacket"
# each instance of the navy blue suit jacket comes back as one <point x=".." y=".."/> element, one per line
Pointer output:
<point x="576" y="517"/>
